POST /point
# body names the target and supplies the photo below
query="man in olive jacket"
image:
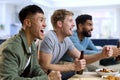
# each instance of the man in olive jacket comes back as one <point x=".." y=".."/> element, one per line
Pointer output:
<point x="18" y="55"/>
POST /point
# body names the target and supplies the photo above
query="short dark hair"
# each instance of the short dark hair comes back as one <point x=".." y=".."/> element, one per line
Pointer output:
<point x="81" y="19"/>
<point x="29" y="10"/>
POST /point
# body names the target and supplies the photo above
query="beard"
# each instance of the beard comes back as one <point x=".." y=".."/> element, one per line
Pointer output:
<point x="86" y="34"/>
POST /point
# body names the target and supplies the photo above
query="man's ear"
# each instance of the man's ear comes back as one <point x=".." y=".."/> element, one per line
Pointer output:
<point x="59" y="23"/>
<point x="27" y="22"/>
<point x="80" y="26"/>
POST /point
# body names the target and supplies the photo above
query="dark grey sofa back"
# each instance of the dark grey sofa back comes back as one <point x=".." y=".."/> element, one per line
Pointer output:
<point x="2" y="40"/>
<point x="102" y="42"/>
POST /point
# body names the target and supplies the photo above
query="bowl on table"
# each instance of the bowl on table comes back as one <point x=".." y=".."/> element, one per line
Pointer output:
<point x="106" y="72"/>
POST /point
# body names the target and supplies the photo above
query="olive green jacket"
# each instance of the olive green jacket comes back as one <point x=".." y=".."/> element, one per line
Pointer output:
<point x="14" y="54"/>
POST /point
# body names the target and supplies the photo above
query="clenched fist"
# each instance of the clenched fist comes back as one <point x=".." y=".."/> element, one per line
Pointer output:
<point x="79" y="64"/>
<point x="54" y="75"/>
<point x="107" y="51"/>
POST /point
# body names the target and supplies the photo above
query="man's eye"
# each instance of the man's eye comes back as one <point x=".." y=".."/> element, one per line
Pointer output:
<point x="41" y="20"/>
<point x="90" y="24"/>
<point x="70" y="20"/>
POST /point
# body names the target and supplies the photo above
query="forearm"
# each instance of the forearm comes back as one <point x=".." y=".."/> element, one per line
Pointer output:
<point x="93" y="57"/>
<point x="89" y="52"/>
<point x="38" y="71"/>
<point x="61" y="67"/>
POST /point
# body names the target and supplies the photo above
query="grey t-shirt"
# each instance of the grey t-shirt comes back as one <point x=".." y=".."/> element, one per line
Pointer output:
<point x="51" y="45"/>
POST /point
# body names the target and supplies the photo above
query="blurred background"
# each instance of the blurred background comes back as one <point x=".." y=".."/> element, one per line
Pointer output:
<point x="106" y="15"/>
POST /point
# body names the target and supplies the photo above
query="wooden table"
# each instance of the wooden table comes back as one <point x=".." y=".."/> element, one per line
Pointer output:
<point x="86" y="76"/>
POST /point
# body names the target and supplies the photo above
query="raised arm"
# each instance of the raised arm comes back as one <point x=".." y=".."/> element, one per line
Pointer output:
<point x="106" y="52"/>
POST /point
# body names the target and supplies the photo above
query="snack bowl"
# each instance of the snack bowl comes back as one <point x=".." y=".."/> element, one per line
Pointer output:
<point x="106" y="72"/>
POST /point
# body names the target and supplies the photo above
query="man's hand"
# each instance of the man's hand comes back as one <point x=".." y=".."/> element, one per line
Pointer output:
<point x="54" y="75"/>
<point x="116" y="51"/>
<point x="107" y="52"/>
<point x="79" y="64"/>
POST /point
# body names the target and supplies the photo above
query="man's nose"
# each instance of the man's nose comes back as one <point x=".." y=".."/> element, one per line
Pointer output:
<point x="44" y="24"/>
<point x="73" y="24"/>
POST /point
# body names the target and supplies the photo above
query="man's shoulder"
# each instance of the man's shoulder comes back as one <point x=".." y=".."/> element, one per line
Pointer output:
<point x="13" y="43"/>
<point x="50" y="38"/>
<point x="50" y="35"/>
<point x="87" y="39"/>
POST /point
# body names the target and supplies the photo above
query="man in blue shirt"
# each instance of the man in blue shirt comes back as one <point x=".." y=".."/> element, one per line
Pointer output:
<point x="80" y="38"/>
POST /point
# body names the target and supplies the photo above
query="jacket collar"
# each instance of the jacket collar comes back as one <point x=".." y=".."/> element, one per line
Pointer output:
<point x="24" y="40"/>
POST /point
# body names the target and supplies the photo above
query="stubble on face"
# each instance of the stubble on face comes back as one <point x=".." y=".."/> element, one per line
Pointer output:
<point x="86" y="33"/>
<point x="68" y="25"/>
<point x="87" y="28"/>
<point x="38" y="26"/>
